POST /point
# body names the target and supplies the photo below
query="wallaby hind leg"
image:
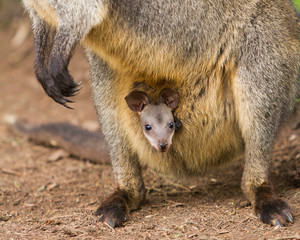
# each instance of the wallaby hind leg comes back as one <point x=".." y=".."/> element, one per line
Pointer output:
<point x="259" y="113"/>
<point x="130" y="191"/>
<point x="129" y="194"/>
<point x="264" y="92"/>
<point x="257" y="187"/>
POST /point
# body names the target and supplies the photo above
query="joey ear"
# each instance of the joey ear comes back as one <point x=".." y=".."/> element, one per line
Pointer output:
<point x="137" y="100"/>
<point x="170" y="97"/>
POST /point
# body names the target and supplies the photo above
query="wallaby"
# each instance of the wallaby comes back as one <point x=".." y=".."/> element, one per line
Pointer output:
<point x="234" y="64"/>
<point x="157" y="119"/>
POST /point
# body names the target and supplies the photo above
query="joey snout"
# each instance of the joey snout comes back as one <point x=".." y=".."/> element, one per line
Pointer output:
<point x="163" y="147"/>
<point x="160" y="145"/>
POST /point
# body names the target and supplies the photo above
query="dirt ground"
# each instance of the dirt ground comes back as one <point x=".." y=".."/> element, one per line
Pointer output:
<point x="42" y="197"/>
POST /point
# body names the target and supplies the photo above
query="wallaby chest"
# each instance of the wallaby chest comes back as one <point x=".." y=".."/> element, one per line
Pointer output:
<point x="206" y="112"/>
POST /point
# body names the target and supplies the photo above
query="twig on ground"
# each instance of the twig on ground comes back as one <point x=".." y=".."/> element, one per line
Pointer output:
<point x="109" y="227"/>
<point x="283" y="238"/>
<point x="10" y="172"/>
<point x="178" y="185"/>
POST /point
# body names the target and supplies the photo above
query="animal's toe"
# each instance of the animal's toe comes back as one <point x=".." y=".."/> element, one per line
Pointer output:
<point x="275" y="212"/>
<point x="113" y="217"/>
<point x="278" y="223"/>
<point x="113" y="211"/>
<point x="288" y="216"/>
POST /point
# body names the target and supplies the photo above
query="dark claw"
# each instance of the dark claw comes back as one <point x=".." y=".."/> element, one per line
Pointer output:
<point x="68" y="100"/>
<point x="274" y="211"/>
<point x="58" y="83"/>
<point x="78" y="88"/>
<point x="278" y="223"/>
<point x="111" y="223"/>
<point x="74" y="92"/>
<point x="62" y="79"/>
<point x="112" y="215"/>
<point x="66" y="106"/>
<point x="59" y="98"/>
<point x="62" y="100"/>
<point x="71" y="92"/>
<point x="288" y="216"/>
<point x="113" y="211"/>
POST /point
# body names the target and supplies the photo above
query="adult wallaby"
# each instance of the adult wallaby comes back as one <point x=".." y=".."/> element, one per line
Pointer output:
<point x="234" y="64"/>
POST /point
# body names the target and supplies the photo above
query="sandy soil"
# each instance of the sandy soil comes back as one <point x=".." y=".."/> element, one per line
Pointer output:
<point x="49" y="198"/>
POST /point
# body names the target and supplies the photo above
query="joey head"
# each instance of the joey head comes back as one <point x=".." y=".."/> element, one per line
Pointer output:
<point x="156" y="119"/>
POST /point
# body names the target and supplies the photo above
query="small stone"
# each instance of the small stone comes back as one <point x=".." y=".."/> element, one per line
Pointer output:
<point x="5" y="218"/>
<point x="17" y="202"/>
<point x="292" y="137"/>
<point x="42" y="188"/>
<point x="244" y="204"/>
<point x="10" y="118"/>
<point x="92" y="126"/>
<point x="57" y="155"/>
<point x="213" y="180"/>
<point x="53" y="143"/>
<point x="52" y="186"/>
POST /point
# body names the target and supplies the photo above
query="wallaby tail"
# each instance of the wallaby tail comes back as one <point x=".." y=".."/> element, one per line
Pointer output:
<point x="77" y="141"/>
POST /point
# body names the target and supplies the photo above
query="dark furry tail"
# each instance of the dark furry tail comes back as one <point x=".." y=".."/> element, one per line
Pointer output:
<point x="77" y="141"/>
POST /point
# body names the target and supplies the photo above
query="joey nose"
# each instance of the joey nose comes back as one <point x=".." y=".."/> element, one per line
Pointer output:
<point x="163" y="146"/>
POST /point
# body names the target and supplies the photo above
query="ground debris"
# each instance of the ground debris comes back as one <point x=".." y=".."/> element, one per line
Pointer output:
<point x="57" y="155"/>
<point x="71" y="232"/>
<point x="10" y="172"/>
<point x="222" y="232"/>
<point x="295" y="237"/>
<point x="53" y="222"/>
<point x="5" y="218"/>
<point x="17" y="201"/>
<point x="244" y="203"/>
<point x="193" y="235"/>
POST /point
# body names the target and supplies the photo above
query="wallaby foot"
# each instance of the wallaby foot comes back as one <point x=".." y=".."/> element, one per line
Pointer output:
<point x="114" y="210"/>
<point x="62" y="87"/>
<point x="59" y="86"/>
<point x="270" y="208"/>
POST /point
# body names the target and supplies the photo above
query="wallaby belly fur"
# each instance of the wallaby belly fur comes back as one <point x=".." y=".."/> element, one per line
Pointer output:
<point x="233" y="63"/>
<point x="206" y="108"/>
<point x="203" y="72"/>
<point x="205" y="125"/>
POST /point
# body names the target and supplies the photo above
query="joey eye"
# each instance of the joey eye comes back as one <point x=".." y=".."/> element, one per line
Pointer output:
<point x="171" y="125"/>
<point x="147" y="127"/>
